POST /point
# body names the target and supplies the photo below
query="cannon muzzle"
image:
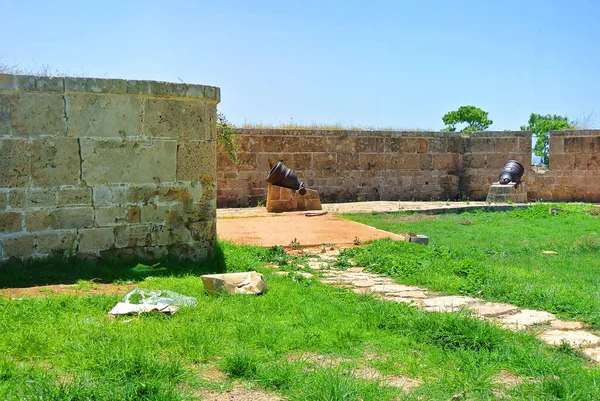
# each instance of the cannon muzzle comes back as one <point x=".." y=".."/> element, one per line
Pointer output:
<point x="512" y="172"/>
<point x="284" y="177"/>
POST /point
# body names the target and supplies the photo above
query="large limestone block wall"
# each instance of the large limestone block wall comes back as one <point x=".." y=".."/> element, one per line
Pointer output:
<point x="101" y="165"/>
<point x="484" y="154"/>
<point x="574" y="173"/>
<point x="344" y="165"/>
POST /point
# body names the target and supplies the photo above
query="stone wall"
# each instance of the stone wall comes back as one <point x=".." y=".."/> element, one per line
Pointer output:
<point x="574" y="173"/>
<point x="370" y="165"/>
<point x="100" y="165"/>
<point x="374" y="165"/>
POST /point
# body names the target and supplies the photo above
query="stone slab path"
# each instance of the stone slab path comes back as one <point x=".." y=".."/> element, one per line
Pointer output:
<point x="544" y="324"/>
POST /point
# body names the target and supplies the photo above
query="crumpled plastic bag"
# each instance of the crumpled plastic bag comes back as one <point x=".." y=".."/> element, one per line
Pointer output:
<point x="235" y="283"/>
<point x="164" y="301"/>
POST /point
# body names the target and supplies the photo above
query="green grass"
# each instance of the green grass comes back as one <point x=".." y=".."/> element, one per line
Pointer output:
<point x="498" y="256"/>
<point x="65" y="348"/>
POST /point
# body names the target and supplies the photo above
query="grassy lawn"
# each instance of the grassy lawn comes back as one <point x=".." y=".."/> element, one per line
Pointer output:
<point x="498" y="256"/>
<point x="62" y="347"/>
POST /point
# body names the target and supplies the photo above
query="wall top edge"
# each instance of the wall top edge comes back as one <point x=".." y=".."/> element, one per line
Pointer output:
<point x="376" y="133"/>
<point x="577" y="132"/>
<point x="32" y="83"/>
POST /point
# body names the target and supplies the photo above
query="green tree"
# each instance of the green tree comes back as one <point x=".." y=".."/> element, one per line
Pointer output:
<point x="475" y="118"/>
<point x="540" y="125"/>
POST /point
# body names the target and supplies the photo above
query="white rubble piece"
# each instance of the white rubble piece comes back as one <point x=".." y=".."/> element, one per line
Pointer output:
<point x="235" y="283"/>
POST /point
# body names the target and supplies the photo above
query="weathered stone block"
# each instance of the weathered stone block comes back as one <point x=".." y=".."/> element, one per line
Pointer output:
<point x="15" y="162"/>
<point x="74" y="217"/>
<point x="172" y="235"/>
<point x="16" y="198"/>
<point x="310" y="143"/>
<point x="95" y="85"/>
<point x="31" y="114"/>
<point x="479" y="145"/>
<point x="110" y="196"/>
<point x="506" y="145"/>
<point x="162" y="214"/>
<point x="10" y="222"/>
<point x="114" y="215"/>
<point x="195" y="160"/>
<point x="39" y="83"/>
<point x="75" y="196"/>
<point x="203" y="230"/>
<point x="408" y="145"/>
<point x="8" y="82"/>
<point x="128" y="161"/>
<point x="445" y="162"/>
<point x="55" y="161"/>
<point x="40" y="197"/>
<point x="134" y="235"/>
<point x="202" y="210"/>
<point x="55" y="242"/>
<point x="103" y="115"/>
<point x="280" y="199"/>
<point x="94" y="240"/>
<point x="37" y="220"/>
<point x="503" y="193"/>
<point x="18" y="247"/>
<point x="141" y="193"/>
<point x="562" y="161"/>
<point x="177" y="193"/>
<point x="587" y="161"/>
<point x="3" y="200"/>
<point x="172" y="118"/>
<point x="496" y="161"/>
<point x="324" y="161"/>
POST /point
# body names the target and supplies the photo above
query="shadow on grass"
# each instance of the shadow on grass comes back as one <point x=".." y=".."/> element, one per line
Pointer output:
<point x="60" y="269"/>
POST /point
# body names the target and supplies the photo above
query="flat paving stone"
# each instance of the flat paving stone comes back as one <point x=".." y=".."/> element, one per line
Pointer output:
<point x="526" y="318"/>
<point x="408" y="294"/>
<point x="448" y="303"/>
<point x="575" y="338"/>
<point x="564" y="325"/>
<point x="593" y="353"/>
<point x="336" y="279"/>
<point x="363" y="283"/>
<point x="493" y="309"/>
<point x="355" y="269"/>
<point x="388" y="288"/>
<point x="357" y="276"/>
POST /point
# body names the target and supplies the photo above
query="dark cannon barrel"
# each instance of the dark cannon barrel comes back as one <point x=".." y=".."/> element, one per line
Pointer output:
<point x="512" y="172"/>
<point x="284" y="177"/>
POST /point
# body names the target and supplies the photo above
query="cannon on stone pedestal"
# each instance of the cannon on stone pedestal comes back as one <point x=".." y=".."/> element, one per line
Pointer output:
<point x="284" y="177"/>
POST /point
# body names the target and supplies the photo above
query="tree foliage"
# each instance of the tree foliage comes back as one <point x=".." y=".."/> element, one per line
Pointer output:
<point x="540" y="125"/>
<point x="475" y="118"/>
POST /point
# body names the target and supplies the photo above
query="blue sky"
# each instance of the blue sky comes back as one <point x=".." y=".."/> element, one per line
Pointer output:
<point x="400" y="64"/>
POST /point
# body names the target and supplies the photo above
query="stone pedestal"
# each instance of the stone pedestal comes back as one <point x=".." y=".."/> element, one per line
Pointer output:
<point x="280" y="199"/>
<point x="516" y="193"/>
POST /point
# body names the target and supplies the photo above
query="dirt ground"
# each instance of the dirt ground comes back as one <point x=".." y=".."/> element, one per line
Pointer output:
<point x="296" y="229"/>
<point x="256" y="226"/>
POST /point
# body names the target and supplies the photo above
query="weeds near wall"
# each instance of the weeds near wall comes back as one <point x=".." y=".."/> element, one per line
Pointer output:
<point x="227" y="138"/>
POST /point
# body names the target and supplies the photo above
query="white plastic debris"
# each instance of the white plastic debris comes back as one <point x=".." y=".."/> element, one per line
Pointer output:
<point x="141" y="300"/>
